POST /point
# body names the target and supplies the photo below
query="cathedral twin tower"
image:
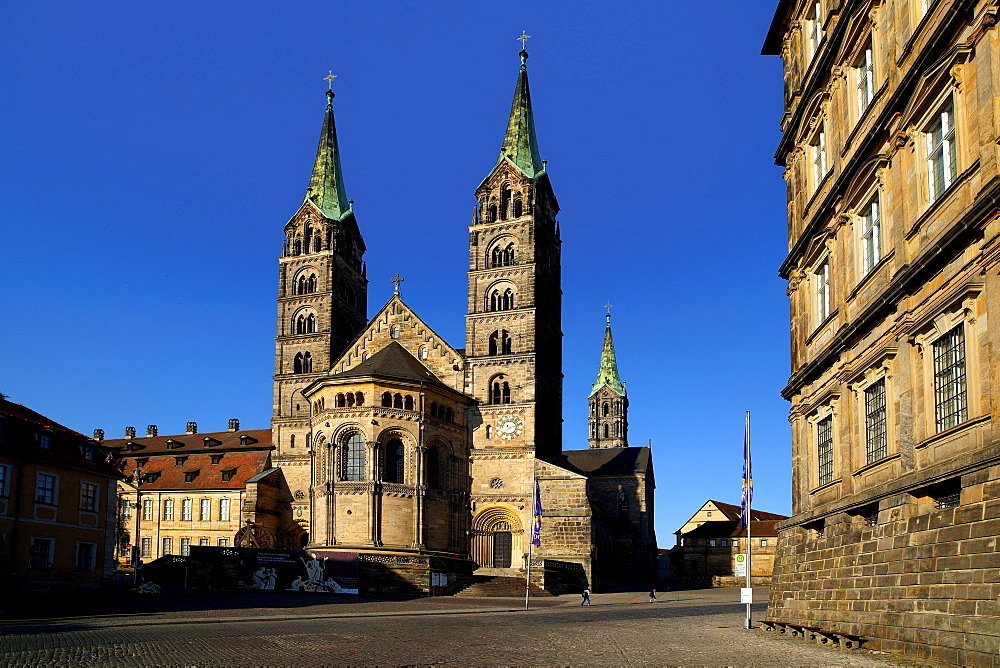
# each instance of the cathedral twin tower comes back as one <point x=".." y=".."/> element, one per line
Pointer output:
<point x="390" y="439"/>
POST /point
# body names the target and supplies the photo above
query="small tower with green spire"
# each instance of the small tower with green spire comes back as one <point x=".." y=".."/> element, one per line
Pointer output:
<point x="322" y="289"/>
<point x="608" y="400"/>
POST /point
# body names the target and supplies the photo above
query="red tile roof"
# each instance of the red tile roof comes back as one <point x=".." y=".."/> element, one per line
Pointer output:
<point x="733" y="512"/>
<point x="725" y="529"/>
<point x="183" y="443"/>
<point x="168" y="475"/>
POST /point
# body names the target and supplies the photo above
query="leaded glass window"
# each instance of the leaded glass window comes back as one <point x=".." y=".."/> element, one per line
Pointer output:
<point x="950" y="399"/>
<point x="354" y="468"/>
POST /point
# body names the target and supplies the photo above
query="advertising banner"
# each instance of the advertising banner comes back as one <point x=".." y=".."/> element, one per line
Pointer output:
<point x="276" y="570"/>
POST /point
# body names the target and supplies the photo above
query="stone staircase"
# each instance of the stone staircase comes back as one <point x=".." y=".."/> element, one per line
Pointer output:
<point x="498" y="586"/>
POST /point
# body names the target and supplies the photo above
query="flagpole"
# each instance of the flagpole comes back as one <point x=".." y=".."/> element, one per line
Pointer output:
<point x="531" y="543"/>
<point x="749" y="494"/>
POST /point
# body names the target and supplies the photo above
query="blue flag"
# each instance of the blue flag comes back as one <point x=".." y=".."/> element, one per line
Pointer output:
<point x="747" y="478"/>
<point x="536" y="528"/>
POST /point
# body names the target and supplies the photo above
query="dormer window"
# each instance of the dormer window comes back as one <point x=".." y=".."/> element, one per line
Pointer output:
<point x="151" y="477"/>
<point x="216" y="459"/>
<point x="179" y="461"/>
<point x="228" y="474"/>
<point x="247" y="440"/>
<point x="171" y="444"/>
<point x="210" y="442"/>
<point x="45" y="441"/>
<point x="189" y="476"/>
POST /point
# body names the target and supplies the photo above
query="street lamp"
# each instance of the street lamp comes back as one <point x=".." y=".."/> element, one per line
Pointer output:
<point x="136" y="546"/>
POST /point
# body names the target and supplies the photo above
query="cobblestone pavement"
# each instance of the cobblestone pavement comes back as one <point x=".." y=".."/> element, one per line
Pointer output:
<point x="703" y="627"/>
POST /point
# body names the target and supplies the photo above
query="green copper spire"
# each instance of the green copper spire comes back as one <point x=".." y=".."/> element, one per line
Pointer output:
<point x="326" y="186"/>
<point x="608" y="373"/>
<point x="519" y="144"/>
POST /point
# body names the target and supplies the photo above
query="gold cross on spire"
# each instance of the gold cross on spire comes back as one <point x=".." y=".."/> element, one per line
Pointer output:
<point x="608" y="306"/>
<point x="523" y="38"/>
<point x="397" y="281"/>
<point x="329" y="79"/>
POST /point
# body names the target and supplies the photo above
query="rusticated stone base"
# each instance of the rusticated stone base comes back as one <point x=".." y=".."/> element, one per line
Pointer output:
<point x="920" y="580"/>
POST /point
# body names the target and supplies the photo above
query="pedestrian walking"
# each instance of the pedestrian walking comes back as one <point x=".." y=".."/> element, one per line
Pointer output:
<point x="652" y="595"/>
<point x="586" y="598"/>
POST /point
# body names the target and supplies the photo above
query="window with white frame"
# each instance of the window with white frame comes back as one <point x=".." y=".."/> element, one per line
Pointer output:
<point x="86" y="556"/>
<point x="942" y="163"/>
<point x="45" y="441"/>
<point x="168" y="547"/>
<point x="763" y="542"/>
<point x="864" y="73"/>
<point x="206" y="510"/>
<point x="224" y="510"/>
<point x="45" y="488"/>
<point x="223" y="542"/>
<point x="168" y="510"/>
<point x="4" y="478"/>
<point x="951" y="406"/>
<point x="185" y="546"/>
<point x="147" y="510"/>
<point x="204" y="541"/>
<point x="824" y="449"/>
<point x="822" y="281"/>
<point x="876" y="441"/>
<point x="186" y="510"/>
<point x="126" y="509"/>
<point x="88" y="496"/>
<point x="146" y="549"/>
<point x="40" y="552"/>
<point x="814" y="29"/>
<point x="871" y="234"/>
<point x="817" y="155"/>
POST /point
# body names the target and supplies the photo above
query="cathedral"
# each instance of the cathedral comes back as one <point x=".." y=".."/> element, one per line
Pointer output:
<point x="403" y="448"/>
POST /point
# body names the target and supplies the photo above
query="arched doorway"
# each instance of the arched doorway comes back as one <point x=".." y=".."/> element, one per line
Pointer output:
<point x="497" y="538"/>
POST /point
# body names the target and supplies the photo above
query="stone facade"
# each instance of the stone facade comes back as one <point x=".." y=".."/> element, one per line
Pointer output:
<point x="891" y="161"/>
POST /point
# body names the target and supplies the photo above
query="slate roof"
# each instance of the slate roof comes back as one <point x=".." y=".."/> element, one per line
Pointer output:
<point x="68" y="447"/>
<point x="393" y="361"/>
<point x="609" y="461"/>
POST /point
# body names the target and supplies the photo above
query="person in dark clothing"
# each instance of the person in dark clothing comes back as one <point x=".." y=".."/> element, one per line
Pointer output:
<point x="652" y="595"/>
<point x="586" y="598"/>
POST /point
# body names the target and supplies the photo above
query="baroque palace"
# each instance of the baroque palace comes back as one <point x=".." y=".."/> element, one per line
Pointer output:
<point x="891" y="158"/>
<point x="390" y="442"/>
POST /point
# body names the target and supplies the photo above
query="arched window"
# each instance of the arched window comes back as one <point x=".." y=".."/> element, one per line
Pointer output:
<point x="449" y="414"/>
<point x="508" y="255"/>
<point x="502" y="301"/>
<point x="408" y="403"/>
<point x="518" y="208"/>
<point x="606" y="408"/>
<point x="359" y="399"/>
<point x="393" y="461"/>
<point x="500" y="342"/>
<point x="350" y="399"/>
<point x="394" y="332"/>
<point x="489" y="432"/>
<point x="311" y="284"/>
<point x="606" y="433"/>
<point x="397" y="401"/>
<point x="618" y="428"/>
<point x="423" y="352"/>
<point x="433" y="466"/>
<point x="302" y="286"/>
<point x="297" y="363"/>
<point x="297" y="247"/>
<point x="491" y="216"/>
<point x="341" y="402"/>
<point x="307" y="362"/>
<point x="504" y="201"/>
<point x="500" y="391"/>
<point x="434" y="409"/>
<point x="307" y="244"/>
<point x="317" y="243"/>
<point x="496" y="257"/>
<point x="386" y="400"/>
<point x="300" y="325"/>
<point x="310" y="323"/>
<point x="354" y="458"/>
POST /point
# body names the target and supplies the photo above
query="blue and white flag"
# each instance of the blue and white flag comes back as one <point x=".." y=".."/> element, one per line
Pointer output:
<point x="747" y="478"/>
<point x="536" y="527"/>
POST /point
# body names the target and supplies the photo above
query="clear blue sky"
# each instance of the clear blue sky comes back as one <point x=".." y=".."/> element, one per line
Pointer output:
<point x="153" y="152"/>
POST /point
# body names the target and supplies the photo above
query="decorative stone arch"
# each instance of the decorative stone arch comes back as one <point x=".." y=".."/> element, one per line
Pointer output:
<point x="439" y="464"/>
<point x="303" y="321"/>
<point x="497" y="537"/>
<point x="382" y="455"/>
<point x="336" y="449"/>
<point x="501" y="251"/>
<point x="500" y="296"/>
<point x="306" y="274"/>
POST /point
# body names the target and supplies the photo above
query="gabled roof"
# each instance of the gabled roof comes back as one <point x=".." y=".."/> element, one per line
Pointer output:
<point x="393" y="361"/>
<point x="608" y="461"/>
<point x="168" y="475"/>
<point x="733" y="512"/>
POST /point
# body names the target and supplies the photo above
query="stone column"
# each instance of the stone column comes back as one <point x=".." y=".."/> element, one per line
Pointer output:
<point x="372" y="471"/>
<point x="419" y="489"/>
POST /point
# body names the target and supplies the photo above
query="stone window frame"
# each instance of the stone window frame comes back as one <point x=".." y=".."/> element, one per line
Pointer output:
<point x="85" y="567"/>
<point x="825" y="410"/>
<point x="820" y="293"/>
<point x="187" y="510"/>
<point x="51" y="498"/>
<point x="168" y="510"/>
<point x="205" y="510"/>
<point x="147" y="510"/>
<point x="961" y="310"/>
<point x="33" y="553"/>
<point x="882" y="368"/>
<point x="812" y="31"/>
<point x="225" y="507"/>
<point x="166" y="546"/>
<point x="90" y="496"/>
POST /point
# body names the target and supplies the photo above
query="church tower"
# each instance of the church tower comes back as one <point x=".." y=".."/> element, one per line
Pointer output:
<point x="513" y="326"/>
<point x="608" y="402"/>
<point x="322" y="291"/>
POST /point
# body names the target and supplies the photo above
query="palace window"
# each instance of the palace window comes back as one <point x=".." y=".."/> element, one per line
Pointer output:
<point x="876" y="443"/>
<point x="186" y="506"/>
<point x="824" y="447"/>
<point x="871" y="235"/>
<point x="185" y="546"/>
<point x="817" y="151"/>
<point x="394" y="461"/>
<point x="822" y="284"/>
<point x="500" y="342"/>
<point x="45" y="488"/>
<point x="168" y="510"/>
<point x="206" y="510"/>
<point x="85" y="556"/>
<point x="355" y="458"/>
<point x="814" y="29"/>
<point x="864" y="72"/>
<point x="942" y="164"/>
<point x="224" y="510"/>
<point x="146" y="550"/>
<point x="147" y="510"/>
<point x="40" y="552"/>
<point x="167" y="547"/>
<point x="951" y="405"/>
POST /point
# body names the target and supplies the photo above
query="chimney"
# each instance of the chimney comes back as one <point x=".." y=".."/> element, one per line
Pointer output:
<point x="151" y="430"/>
<point x="192" y="428"/>
<point x="234" y="425"/>
<point x="129" y="432"/>
<point x="98" y="434"/>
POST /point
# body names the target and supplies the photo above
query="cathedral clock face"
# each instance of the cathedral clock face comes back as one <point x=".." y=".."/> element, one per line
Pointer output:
<point x="509" y="426"/>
